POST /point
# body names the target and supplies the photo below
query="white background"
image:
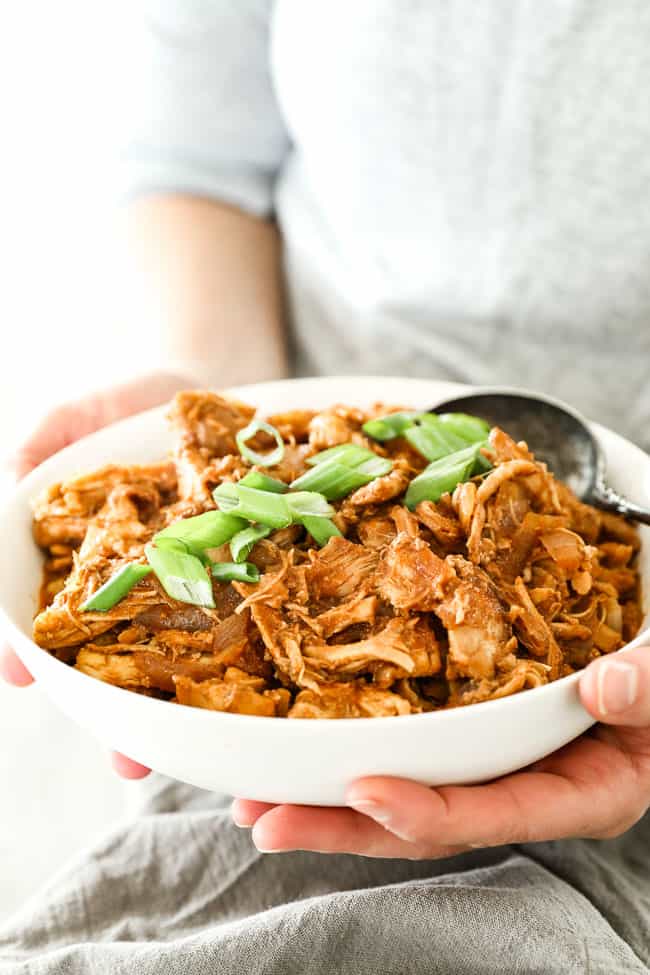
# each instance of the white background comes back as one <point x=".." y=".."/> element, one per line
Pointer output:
<point x="62" y="305"/>
<point x="64" y="329"/>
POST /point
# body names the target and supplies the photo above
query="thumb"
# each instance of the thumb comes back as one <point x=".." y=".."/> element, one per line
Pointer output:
<point x="12" y="669"/>
<point x="616" y="689"/>
<point x="62" y="426"/>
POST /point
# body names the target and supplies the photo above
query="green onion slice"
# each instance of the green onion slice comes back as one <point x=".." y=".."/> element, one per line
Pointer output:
<point x="235" y="571"/>
<point x="116" y="588"/>
<point x="263" y="482"/>
<point x="469" y="428"/>
<point x="443" y="475"/>
<point x="332" y="480"/>
<point x="335" y="480"/>
<point x="263" y="507"/>
<point x="390" y="426"/>
<point x="375" y="466"/>
<point x="175" y="544"/>
<point x="430" y="440"/>
<point x="264" y="460"/>
<point x="432" y="435"/>
<point x="348" y="454"/>
<point x="321" y="529"/>
<point x="483" y="465"/>
<point x="304" y="504"/>
<point x="339" y="470"/>
<point x="182" y="576"/>
<point x="225" y="494"/>
<point x="241" y="545"/>
<point x="267" y="508"/>
<point x="431" y="421"/>
<point x="209" y="530"/>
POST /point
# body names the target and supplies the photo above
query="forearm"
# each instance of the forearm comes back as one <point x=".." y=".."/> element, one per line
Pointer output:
<point x="206" y="283"/>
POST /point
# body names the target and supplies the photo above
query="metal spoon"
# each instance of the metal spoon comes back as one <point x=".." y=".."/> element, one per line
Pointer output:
<point x="556" y="435"/>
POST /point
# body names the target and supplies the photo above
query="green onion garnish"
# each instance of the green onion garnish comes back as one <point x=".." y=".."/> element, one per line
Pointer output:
<point x="339" y="470"/>
<point x="320" y="529"/>
<point x="264" y="507"/>
<point x="209" y="530"/>
<point x="348" y="454"/>
<point x="442" y="476"/>
<point x="182" y="576"/>
<point x="432" y="441"/>
<point x="431" y="435"/>
<point x="304" y="504"/>
<point x="264" y="460"/>
<point x="235" y="571"/>
<point x="375" y="466"/>
<point x="390" y="426"/>
<point x="471" y="429"/>
<point x="431" y="421"/>
<point x="267" y="508"/>
<point x="241" y="545"/>
<point x="263" y="482"/>
<point x="225" y="494"/>
<point x="116" y="588"/>
<point x="332" y="480"/>
<point x="171" y="543"/>
<point x="482" y="465"/>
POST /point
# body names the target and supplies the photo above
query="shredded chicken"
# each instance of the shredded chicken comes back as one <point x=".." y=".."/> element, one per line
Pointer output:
<point x="506" y="584"/>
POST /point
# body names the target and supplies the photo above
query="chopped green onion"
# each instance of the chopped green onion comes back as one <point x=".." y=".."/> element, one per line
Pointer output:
<point x="209" y="530"/>
<point x="225" y="494"/>
<point x="339" y="470"/>
<point x="442" y="476"/>
<point x="321" y="529"/>
<point x="471" y="429"/>
<point x="375" y="466"/>
<point x="304" y="504"/>
<point x="116" y="588"/>
<point x="432" y="442"/>
<point x="483" y="465"/>
<point x="182" y="576"/>
<point x="390" y="426"/>
<point x="332" y="480"/>
<point x="264" y="460"/>
<point x="431" y="435"/>
<point x="348" y="454"/>
<point x="235" y="571"/>
<point x="241" y="545"/>
<point x="171" y="543"/>
<point x="264" y="507"/>
<point x="431" y="421"/>
<point x="263" y="482"/>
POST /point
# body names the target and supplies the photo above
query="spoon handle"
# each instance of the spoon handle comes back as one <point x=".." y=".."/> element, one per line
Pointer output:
<point x="605" y="497"/>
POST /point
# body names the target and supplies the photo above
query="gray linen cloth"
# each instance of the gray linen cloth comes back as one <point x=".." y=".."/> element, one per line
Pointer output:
<point x="179" y="888"/>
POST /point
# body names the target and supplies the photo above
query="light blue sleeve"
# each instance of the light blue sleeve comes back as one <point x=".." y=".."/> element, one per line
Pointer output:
<point x="200" y="113"/>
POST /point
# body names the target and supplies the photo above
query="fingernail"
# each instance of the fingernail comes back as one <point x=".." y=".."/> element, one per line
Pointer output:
<point x="372" y="808"/>
<point x="261" y="844"/>
<point x="616" y="686"/>
<point x="381" y="815"/>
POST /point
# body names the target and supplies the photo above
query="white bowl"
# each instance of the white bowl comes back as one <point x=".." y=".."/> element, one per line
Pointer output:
<point x="275" y="760"/>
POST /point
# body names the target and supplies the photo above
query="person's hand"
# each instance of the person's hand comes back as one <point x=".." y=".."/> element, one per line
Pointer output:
<point x="63" y="426"/>
<point x="598" y="787"/>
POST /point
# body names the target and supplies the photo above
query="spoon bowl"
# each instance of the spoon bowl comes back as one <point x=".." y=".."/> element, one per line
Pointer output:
<point x="558" y="436"/>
